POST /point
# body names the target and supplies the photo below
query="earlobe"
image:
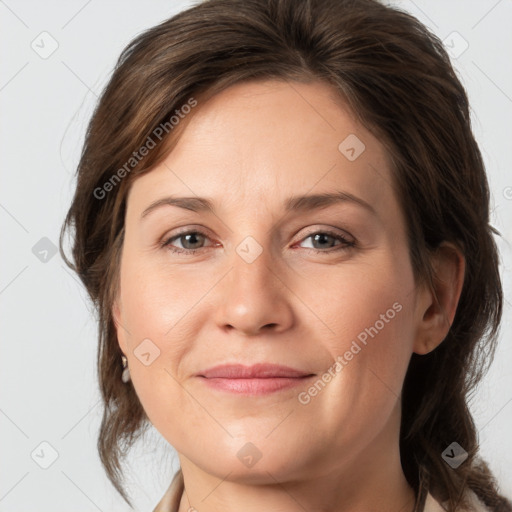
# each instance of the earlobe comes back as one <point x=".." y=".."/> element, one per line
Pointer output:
<point x="436" y="308"/>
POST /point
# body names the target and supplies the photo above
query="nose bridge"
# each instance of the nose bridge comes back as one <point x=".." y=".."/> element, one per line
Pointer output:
<point x="252" y="265"/>
<point x="252" y="272"/>
<point x="252" y="295"/>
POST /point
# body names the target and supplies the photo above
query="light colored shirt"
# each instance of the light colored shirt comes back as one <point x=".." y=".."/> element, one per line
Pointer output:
<point x="172" y="497"/>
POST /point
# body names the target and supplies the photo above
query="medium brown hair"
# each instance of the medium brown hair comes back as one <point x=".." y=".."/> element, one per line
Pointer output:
<point x="397" y="78"/>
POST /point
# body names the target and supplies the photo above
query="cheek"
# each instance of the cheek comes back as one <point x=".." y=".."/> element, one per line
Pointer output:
<point x="156" y="327"/>
<point x="156" y="301"/>
<point x="369" y="315"/>
<point x="164" y="312"/>
<point x="370" y="352"/>
<point x="159" y="338"/>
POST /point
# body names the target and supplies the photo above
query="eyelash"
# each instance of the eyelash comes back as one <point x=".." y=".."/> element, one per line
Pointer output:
<point x="345" y="244"/>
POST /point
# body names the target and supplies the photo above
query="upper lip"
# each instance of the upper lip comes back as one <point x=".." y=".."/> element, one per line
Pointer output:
<point x="256" y="371"/>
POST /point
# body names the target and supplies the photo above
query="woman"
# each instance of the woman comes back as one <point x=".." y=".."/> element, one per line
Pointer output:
<point x="282" y="216"/>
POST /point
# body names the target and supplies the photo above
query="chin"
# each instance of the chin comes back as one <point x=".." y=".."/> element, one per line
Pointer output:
<point x="254" y="463"/>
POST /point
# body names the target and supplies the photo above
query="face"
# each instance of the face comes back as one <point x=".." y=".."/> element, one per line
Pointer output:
<point x="257" y="275"/>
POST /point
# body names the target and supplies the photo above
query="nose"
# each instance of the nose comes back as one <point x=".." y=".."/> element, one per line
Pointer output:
<point x="252" y="298"/>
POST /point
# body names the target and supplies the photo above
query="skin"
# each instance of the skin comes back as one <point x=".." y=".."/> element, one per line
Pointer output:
<point x="248" y="149"/>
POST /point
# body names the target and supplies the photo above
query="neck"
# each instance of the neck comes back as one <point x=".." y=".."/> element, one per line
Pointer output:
<point x="371" y="480"/>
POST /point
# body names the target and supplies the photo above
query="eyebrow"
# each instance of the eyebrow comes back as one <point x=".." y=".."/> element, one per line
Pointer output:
<point x="292" y="204"/>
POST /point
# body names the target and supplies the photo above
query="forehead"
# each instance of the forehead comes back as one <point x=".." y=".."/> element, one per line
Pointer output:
<point x="266" y="140"/>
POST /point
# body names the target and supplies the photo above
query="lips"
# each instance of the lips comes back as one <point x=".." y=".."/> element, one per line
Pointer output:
<point x="256" y="371"/>
<point x="258" y="379"/>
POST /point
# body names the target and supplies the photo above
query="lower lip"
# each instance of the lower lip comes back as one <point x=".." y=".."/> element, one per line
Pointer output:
<point x="255" y="386"/>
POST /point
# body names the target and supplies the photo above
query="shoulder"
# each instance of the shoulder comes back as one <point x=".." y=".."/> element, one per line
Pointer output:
<point x="474" y="504"/>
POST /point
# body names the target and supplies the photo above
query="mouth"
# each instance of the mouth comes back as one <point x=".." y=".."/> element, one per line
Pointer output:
<point x="258" y="379"/>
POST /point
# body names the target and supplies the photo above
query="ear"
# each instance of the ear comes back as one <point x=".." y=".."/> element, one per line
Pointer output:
<point x="117" y="316"/>
<point x="435" y="309"/>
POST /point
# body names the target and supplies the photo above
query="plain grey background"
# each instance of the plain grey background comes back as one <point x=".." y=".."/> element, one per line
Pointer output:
<point x="56" y="57"/>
